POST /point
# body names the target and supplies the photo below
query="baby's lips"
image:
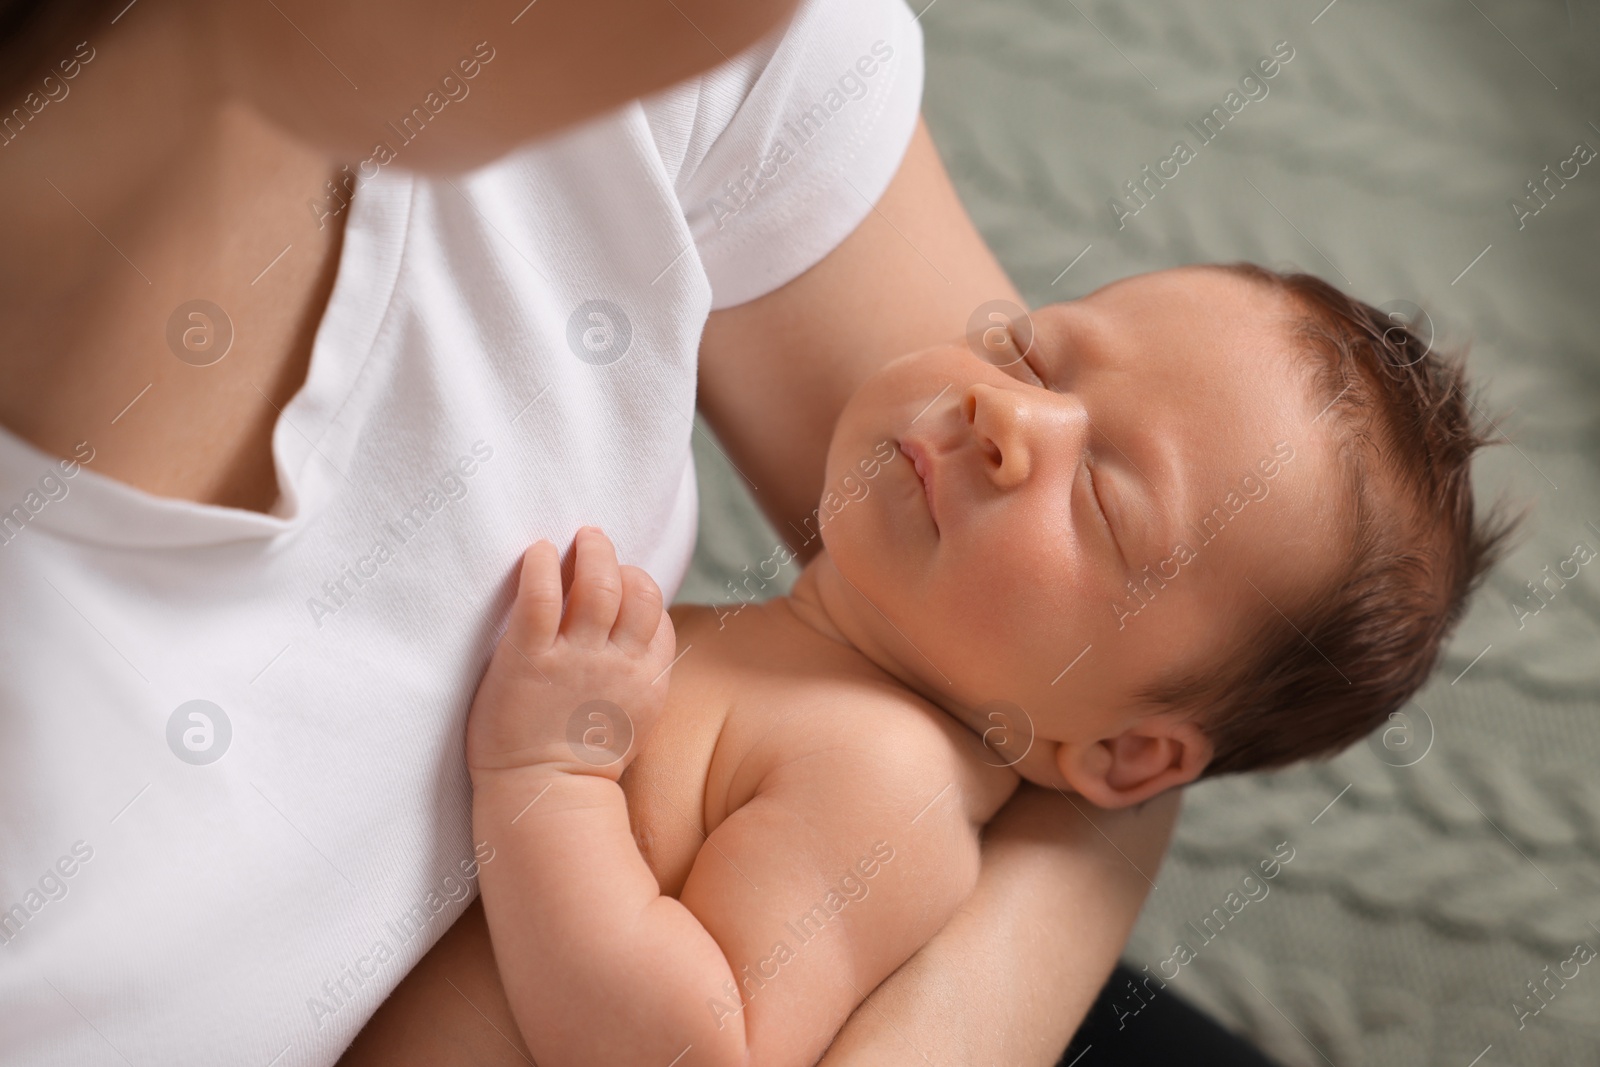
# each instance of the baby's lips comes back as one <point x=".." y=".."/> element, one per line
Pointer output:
<point x="922" y="464"/>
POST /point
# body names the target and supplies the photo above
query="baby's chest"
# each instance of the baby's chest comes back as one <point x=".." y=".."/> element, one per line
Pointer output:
<point x="708" y="759"/>
<point x="667" y="783"/>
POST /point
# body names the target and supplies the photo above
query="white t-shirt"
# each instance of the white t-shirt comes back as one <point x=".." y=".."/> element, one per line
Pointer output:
<point x="234" y="809"/>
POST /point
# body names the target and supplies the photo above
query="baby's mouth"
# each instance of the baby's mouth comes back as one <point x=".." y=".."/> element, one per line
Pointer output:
<point x="920" y="464"/>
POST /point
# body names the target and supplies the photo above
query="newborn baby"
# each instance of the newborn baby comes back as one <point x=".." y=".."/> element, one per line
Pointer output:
<point x="1200" y="521"/>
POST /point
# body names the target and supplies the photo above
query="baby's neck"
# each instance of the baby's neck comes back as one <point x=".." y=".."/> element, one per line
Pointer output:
<point x="806" y="603"/>
<point x="828" y="603"/>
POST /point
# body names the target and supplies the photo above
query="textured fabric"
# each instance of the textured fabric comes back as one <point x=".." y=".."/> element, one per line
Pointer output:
<point x="234" y="809"/>
<point x="1395" y="144"/>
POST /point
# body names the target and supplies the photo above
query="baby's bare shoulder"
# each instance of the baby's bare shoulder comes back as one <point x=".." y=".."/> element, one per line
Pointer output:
<point x="814" y="713"/>
<point x="877" y="743"/>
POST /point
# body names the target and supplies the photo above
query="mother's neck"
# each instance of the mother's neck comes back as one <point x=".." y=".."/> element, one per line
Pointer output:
<point x="141" y="170"/>
<point x="142" y="188"/>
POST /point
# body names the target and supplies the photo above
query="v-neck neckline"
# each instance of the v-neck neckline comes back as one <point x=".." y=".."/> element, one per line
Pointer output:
<point x="309" y="460"/>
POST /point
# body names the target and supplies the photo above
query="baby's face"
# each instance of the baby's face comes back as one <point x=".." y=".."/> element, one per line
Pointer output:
<point x="1117" y="504"/>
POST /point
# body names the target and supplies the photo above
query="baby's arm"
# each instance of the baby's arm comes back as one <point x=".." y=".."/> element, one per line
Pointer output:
<point x="598" y="965"/>
<point x="841" y="866"/>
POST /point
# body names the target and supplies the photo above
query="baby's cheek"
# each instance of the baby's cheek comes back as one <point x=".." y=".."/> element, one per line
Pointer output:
<point x="1013" y="591"/>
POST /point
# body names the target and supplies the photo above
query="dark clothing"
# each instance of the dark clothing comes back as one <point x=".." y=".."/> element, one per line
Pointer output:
<point x="1145" y="1025"/>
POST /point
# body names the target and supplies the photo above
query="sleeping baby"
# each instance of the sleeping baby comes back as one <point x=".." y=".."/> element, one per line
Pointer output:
<point x="1200" y="521"/>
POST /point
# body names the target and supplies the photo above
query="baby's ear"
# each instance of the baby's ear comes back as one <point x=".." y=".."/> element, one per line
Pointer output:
<point x="1155" y="754"/>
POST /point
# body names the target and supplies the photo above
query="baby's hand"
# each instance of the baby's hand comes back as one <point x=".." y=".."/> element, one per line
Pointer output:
<point x="577" y="694"/>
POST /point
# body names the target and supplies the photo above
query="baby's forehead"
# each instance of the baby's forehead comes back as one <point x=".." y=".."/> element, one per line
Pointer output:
<point x="1234" y="337"/>
<point x="1212" y="295"/>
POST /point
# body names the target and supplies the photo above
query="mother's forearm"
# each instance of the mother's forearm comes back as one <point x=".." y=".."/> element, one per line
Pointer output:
<point x="1011" y="976"/>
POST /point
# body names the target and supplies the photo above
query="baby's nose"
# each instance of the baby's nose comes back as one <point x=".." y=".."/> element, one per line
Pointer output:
<point x="999" y="427"/>
<point x="1015" y="427"/>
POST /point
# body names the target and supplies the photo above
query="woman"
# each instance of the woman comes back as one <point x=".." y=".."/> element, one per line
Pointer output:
<point x="302" y="350"/>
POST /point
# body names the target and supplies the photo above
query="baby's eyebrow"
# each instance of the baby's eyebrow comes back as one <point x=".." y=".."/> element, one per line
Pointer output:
<point x="1052" y="332"/>
<point x="1072" y="340"/>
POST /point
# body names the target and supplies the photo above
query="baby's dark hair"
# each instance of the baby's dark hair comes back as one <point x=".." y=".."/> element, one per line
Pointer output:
<point x="1311" y="683"/>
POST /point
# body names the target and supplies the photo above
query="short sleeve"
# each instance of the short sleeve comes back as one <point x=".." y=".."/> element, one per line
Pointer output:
<point x="780" y="153"/>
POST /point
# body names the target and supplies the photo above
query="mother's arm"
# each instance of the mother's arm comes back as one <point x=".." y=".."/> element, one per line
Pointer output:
<point x="1013" y="973"/>
<point x="1007" y="980"/>
<point x="775" y="372"/>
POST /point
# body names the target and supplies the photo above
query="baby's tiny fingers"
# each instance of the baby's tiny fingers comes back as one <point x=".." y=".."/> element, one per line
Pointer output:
<point x="596" y="589"/>
<point x="640" y="614"/>
<point x="536" y="614"/>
